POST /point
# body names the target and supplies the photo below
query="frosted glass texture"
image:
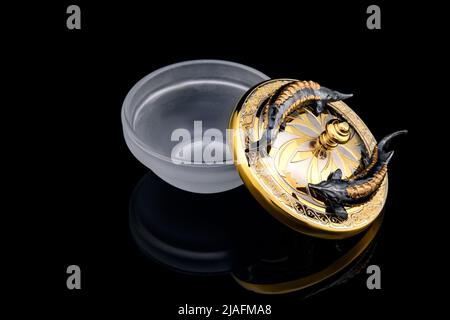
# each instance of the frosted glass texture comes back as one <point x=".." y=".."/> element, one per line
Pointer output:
<point x="173" y="98"/>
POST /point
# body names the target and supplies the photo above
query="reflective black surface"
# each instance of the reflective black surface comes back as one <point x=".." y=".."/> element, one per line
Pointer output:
<point x="75" y="175"/>
<point x="241" y="238"/>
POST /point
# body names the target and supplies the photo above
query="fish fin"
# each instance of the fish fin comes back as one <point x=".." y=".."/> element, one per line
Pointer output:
<point x="365" y="158"/>
<point x="319" y="106"/>
<point x="337" y="210"/>
<point x="389" y="156"/>
<point x="336" y="175"/>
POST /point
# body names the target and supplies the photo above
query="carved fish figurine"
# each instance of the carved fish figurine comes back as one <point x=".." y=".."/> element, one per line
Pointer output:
<point x="290" y="97"/>
<point x="337" y="192"/>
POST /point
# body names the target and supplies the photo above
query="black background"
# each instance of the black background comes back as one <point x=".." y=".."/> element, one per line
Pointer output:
<point x="82" y="173"/>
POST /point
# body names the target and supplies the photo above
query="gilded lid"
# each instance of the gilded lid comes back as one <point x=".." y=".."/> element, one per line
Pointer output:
<point x="292" y="140"/>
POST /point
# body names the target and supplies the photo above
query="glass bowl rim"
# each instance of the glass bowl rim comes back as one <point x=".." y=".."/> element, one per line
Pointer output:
<point x="127" y="124"/>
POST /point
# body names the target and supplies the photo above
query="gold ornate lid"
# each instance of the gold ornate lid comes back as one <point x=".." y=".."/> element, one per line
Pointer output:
<point x="309" y="148"/>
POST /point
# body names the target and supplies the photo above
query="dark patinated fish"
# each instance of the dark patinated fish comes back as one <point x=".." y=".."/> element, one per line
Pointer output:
<point x="337" y="192"/>
<point x="290" y="97"/>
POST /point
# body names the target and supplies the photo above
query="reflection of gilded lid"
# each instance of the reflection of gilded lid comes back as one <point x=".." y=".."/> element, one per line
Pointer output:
<point x="256" y="276"/>
<point x="308" y="148"/>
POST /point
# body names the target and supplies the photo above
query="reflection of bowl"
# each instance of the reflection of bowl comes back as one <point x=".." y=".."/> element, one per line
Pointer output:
<point x="173" y="98"/>
<point x="189" y="241"/>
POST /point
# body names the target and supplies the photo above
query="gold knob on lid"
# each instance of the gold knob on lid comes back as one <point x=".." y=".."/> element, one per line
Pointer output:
<point x="336" y="132"/>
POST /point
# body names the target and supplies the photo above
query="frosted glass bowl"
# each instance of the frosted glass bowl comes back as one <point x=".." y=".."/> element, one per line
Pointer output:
<point x="174" y="100"/>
